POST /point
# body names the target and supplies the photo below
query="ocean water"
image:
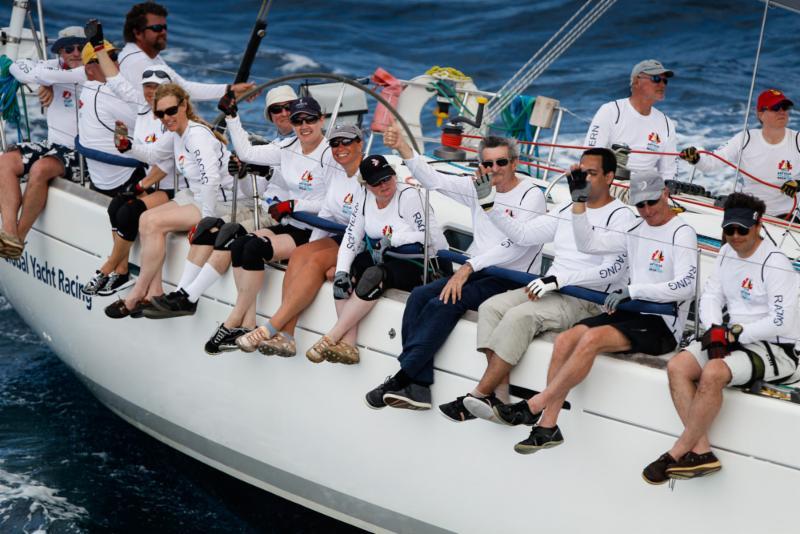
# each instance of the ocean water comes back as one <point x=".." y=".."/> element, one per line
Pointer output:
<point x="69" y="465"/>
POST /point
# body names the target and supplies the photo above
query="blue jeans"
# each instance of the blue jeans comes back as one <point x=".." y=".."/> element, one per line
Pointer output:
<point x="427" y="321"/>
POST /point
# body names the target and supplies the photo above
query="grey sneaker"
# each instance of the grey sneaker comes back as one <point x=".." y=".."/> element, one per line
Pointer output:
<point x="483" y="407"/>
<point x="540" y="438"/>
<point x="374" y="397"/>
<point x="98" y="281"/>
<point x="115" y="282"/>
<point x="411" y="397"/>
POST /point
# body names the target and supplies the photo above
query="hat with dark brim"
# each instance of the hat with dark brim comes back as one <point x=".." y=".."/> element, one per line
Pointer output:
<point x="744" y="217"/>
<point x="375" y="169"/>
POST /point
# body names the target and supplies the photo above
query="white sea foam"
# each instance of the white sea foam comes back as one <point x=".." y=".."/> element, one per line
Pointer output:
<point x="175" y="55"/>
<point x="296" y="62"/>
<point x="29" y="506"/>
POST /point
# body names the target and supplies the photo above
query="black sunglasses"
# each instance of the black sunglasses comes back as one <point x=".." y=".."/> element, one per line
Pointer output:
<point x="274" y="109"/>
<point x="158" y="28"/>
<point x="780" y="106"/>
<point x="657" y="78"/>
<point x="172" y="110"/>
<point x="502" y="162"/>
<point x="642" y="204"/>
<point x="735" y="229"/>
<point x="308" y="119"/>
<point x="344" y="142"/>
<point x="157" y="73"/>
<point x="72" y="48"/>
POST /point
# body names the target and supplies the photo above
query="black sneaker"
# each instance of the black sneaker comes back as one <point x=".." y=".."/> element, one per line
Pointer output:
<point x="224" y="339"/>
<point x="693" y="465"/>
<point x="97" y="282"/>
<point x="540" y="438"/>
<point x="176" y="304"/>
<point x="138" y="311"/>
<point x="116" y="282"/>
<point x="411" y="397"/>
<point x="656" y="472"/>
<point x="375" y="397"/>
<point x="483" y="407"/>
<point x="455" y="410"/>
<point x="516" y="414"/>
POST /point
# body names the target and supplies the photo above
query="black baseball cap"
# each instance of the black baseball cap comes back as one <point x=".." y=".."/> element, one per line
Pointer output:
<point x="375" y="169"/>
<point x="744" y="217"/>
<point x="306" y="105"/>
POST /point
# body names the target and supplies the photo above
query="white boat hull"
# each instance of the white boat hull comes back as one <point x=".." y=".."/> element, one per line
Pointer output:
<point x="303" y="431"/>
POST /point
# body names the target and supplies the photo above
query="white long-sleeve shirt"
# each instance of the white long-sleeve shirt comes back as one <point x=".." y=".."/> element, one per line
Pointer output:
<point x="619" y="122"/>
<point x="133" y="62"/>
<point x="402" y="221"/>
<point x="342" y="193"/>
<point x="62" y="122"/>
<point x="774" y="164"/>
<point x="200" y="158"/>
<point x="662" y="261"/>
<point x="490" y="246"/>
<point x="98" y="110"/>
<point x="760" y="292"/>
<point x="571" y="266"/>
<point x="302" y="177"/>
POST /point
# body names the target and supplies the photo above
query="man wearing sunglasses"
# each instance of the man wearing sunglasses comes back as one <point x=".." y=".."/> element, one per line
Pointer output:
<point x="145" y="35"/>
<point x="42" y="161"/>
<point x="757" y="284"/>
<point x="433" y="310"/>
<point x="635" y="123"/>
<point x="772" y="153"/>
<point x="662" y="256"/>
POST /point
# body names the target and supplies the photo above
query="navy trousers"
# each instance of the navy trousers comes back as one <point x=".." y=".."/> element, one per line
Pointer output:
<point x="427" y="321"/>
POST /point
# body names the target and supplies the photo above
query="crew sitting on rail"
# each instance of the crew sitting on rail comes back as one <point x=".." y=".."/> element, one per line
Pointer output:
<point x="42" y="161"/>
<point x="634" y="123"/>
<point x="301" y="186"/>
<point x="433" y="310"/>
<point x="309" y="265"/>
<point x="662" y="255"/>
<point x="757" y="284"/>
<point x="201" y="157"/>
<point x="770" y="153"/>
<point x="145" y="34"/>
<point x="126" y="207"/>
<point x="508" y="322"/>
<point x="388" y="216"/>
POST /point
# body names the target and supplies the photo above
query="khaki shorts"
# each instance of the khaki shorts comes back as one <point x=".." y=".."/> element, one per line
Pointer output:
<point x="508" y="322"/>
<point x="244" y="210"/>
<point x="764" y="361"/>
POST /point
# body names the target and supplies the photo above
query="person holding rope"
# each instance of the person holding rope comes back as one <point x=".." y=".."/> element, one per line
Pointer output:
<point x="635" y="124"/>
<point x="509" y="322"/>
<point x="771" y="153"/>
<point x="42" y="162"/>
<point x="662" y="251"/>
<point x="433" y="310"/>
<point x="756" y="339"/>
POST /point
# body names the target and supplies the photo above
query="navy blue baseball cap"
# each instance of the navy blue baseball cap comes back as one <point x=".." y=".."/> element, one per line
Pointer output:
<point x="375" y="169"/>
<point x="306" y="105"/>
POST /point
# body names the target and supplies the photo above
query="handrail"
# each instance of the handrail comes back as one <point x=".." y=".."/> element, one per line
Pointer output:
<point x="105" y="157"/>
<point x="591" y="295"/>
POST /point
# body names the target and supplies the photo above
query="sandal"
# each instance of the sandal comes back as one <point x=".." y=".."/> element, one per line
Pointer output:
<point x="342" y="352"/>
<point x="278" y="345"/>
<point x="317" y="351"/>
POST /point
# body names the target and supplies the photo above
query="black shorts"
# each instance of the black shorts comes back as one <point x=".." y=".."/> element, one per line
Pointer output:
<point x="32" y="152"/>
<point x="647" y="333"/>
<point x="137" y="174"/>
<point x="400" y="274"/>
<point x="300" y="235"/>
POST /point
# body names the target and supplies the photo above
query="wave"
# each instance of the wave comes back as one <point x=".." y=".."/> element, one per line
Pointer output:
<point x="296" y="62"/>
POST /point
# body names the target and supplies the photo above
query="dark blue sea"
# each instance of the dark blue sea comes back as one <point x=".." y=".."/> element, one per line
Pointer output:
<point x="67" y="464"/>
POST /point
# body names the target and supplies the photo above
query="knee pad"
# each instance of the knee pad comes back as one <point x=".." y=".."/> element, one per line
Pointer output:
<point x="128" y="219"/>
<point x="207" y="230"/>
<point x="113" y="207"/>
<point x="257" y="251"/>
<point x="227" y="235"/>
<point x="369" y="286"/>
<point x="237" y="249"/>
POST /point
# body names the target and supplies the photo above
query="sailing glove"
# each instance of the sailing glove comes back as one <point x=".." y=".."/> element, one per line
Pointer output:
<point x="615" y="298"/>
<point x="789" y="188"/>
<point x="690" y="155"/>
<point x="342" y="285"/>
<point x="579" y="187"/>
<point x="227" y="104"/>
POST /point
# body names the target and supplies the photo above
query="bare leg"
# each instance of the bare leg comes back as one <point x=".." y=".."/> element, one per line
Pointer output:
<point x="10" y="196"/>
<point x="684" y="371"/>
<point x="35" y="196"/>
<point x="563" y="348"/>
<point x="243" y="312"/>
<point x="353" y="311"/>
<point x="497" y="372"/>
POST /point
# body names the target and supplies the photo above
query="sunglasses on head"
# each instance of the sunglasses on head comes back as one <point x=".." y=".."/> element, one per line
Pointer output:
<point x="780" y="106"/>
<point x="657" y="78"/>
<point x="502" y="162"/>
<point x="157" y="73"/>
<point x="644" y="203"/>
<point x="171" y="111"/>
<point x="735" y="229"/>
<point x="308" y="119"/>
<point x="274" y="109"/>
<point x="158" y="28"/>
<point x="72" y="48"/>
<point x="344" y="142"/>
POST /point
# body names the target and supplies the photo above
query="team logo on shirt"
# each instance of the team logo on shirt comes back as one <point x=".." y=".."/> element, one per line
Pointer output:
<point x="387" y="231"/>
<point x="67" y="97"/>
<point x="347" y="204"/>
<point x="80" y="103"/>
<point x="657" y="261"/>
<point x="306" y="181"/>
<point x="747" y="288"/>
<point x="653" y="141"/>
<point x="151" y="138"/>
<point x="785" y="170"/>
<point x="181" y="161"/>
<point x="509" y="212"/>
